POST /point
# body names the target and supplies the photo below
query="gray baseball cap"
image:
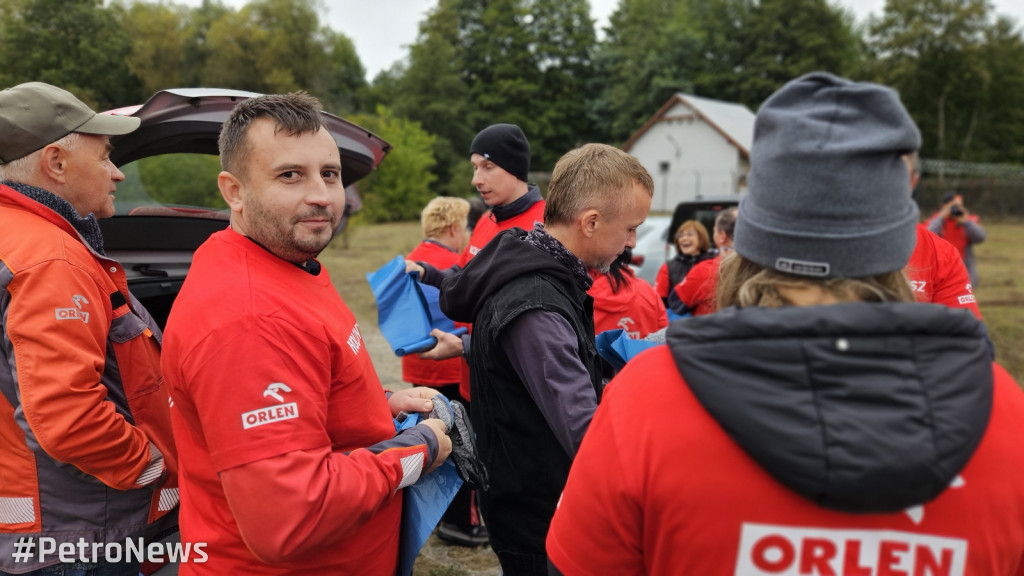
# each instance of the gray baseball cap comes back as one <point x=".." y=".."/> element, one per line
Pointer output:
<point x="35" y="114"/>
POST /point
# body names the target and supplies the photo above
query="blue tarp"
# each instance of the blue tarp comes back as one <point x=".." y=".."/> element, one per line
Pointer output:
<point x="407" y="310"/>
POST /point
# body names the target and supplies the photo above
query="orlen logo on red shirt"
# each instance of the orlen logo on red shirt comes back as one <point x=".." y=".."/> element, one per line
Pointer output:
<point x="789" y="551"/>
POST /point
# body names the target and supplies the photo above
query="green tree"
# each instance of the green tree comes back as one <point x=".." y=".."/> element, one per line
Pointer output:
<point x="197" y="49"/>
<point x="401" y="186"/>
<point x="784" y="39"/>
<point x="344" y="89"/>
<point x="719" y="25"/>
<point x="430" y="90"/>
<point x="563" y="43"/>
<point x="932" y="51"/>
<point x="498" y="66"/>
<point x="275" y="46"/>
<point x="650" y="52"/>
<point x="159" y="40"/>
<point x="999" y="116"/>
<point x="78" y="45"/>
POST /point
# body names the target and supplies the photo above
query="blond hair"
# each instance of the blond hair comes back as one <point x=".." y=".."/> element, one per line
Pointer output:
<point x="744" y="283"/>
<point x="442" y="212"/>
<point x="593" y="176"/>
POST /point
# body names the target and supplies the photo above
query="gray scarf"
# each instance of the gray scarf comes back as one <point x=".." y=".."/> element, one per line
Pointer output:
<point x="88" y="227"/>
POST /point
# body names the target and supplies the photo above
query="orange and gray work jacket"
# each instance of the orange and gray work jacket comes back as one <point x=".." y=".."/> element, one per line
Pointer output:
<point x="86" y="451"/>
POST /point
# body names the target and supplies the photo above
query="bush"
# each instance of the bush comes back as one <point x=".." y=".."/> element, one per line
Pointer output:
<point x="400" y="186"/>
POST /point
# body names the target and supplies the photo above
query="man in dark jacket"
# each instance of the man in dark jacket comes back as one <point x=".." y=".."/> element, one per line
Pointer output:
<point x="535" y="375"/>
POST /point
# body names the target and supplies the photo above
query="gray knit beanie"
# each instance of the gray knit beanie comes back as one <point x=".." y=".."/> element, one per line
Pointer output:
<point x="506" y="146"/>
<point x="829" y="191"/>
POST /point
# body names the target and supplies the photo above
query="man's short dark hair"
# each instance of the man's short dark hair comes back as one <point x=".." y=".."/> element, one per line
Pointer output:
<point x="295" y="113"/>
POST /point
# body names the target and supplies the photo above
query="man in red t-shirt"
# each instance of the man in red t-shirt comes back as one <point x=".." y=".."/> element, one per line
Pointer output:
<point x="289" y="458"/>
<point x="936" y="269"/>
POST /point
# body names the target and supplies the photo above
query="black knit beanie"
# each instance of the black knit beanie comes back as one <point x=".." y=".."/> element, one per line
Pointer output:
<point x="506" y="146"/>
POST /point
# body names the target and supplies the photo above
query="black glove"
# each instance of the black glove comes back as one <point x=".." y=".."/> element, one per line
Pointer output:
<point x="460" y="430"/>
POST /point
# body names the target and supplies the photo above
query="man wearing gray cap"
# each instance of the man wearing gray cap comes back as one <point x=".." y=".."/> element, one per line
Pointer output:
<point x="88" y="456"/>
<point x="821" y="422"/>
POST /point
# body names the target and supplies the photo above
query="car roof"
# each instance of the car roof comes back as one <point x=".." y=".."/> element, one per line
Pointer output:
<point x="188" y="120"/>
<point x="705" y="211"/>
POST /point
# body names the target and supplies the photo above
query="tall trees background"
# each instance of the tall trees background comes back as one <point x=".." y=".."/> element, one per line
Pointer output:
<point x="538" y="63"/>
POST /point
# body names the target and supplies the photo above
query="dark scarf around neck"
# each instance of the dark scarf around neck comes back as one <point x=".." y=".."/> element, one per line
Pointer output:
<point x="540" y="239"/>
<point x="88" y="227"/>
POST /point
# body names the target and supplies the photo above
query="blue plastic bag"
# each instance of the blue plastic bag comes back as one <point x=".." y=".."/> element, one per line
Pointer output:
<point x="423" y="505"/>
<point x="406" y="309"/>
<point x="617" y="348"/>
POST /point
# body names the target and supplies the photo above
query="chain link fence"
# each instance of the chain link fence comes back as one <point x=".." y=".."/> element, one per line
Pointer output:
<point x="993" y="191"/>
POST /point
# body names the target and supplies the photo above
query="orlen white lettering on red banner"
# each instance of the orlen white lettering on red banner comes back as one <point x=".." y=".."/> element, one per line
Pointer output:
<point x="270" y="414"/>
<point x="789" y="551"/>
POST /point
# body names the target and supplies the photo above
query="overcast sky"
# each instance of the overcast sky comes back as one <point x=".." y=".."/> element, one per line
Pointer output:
<point x="383" y="29"/>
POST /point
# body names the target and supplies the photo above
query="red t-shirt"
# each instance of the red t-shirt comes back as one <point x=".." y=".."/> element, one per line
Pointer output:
<point x="697" y="290"/>
<point x="661" y="488"/>
<point x="416" y="370"/>
<point x="263" y="359"/>
<point x="486" y="229"/>
<point x="937" y="273"/>
<point x="635" y="308"/>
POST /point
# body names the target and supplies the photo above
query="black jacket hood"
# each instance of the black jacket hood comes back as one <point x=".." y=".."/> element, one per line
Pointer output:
<point x="505" y="258"/>
<point x="860" y="407"/>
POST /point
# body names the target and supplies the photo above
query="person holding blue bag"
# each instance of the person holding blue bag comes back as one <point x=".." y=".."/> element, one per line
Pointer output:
<point x="290" y="460"/>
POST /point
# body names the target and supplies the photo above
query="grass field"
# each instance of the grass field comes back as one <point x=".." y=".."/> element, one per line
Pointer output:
<point x="1000" y="291"/>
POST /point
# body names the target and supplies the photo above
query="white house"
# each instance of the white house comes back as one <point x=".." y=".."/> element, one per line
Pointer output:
<point x="696" y="149"/>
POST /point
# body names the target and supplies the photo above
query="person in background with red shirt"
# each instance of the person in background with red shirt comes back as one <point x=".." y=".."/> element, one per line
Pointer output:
<point x="693" y="245"/>
<point x="821" y="422"/>
<point x="960" y="228"/>
<point x="289" y="459"/>
<point x="622" y="301"/>
<point x="936" y="269"/>
<point x="444" y="221"/>
<point x="695" y="295"/>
